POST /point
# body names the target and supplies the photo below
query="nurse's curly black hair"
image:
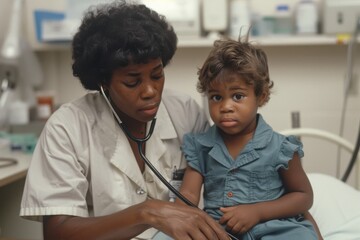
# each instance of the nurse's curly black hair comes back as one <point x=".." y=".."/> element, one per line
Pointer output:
<point x="240" y="57"/>
<point x="117" y="34"/>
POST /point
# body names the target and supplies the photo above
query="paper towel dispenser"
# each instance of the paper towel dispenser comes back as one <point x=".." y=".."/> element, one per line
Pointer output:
<point x="340" y="16"/>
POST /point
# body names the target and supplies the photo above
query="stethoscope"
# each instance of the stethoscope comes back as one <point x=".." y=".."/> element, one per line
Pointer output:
<point x="139" y="142"/>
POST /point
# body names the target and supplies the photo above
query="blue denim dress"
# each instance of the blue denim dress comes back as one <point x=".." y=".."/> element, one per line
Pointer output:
<point x="252" y="177"/>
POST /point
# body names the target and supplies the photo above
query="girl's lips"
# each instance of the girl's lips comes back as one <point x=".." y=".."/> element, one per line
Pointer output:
<point x="228" y="123"/>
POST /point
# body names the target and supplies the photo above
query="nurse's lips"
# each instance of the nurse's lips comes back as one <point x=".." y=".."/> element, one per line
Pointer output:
<point x="150" y="109"/>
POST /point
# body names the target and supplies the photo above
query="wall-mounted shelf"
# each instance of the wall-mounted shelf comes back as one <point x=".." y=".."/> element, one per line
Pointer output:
<point x="274" y="40"/>
<point x="301" y="40"/>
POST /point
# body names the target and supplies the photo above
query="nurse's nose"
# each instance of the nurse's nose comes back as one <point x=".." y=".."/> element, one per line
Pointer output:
<point x="149" y="90"/>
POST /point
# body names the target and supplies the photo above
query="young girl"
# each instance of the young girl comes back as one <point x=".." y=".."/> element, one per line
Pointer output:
<point x="254" y="183"/>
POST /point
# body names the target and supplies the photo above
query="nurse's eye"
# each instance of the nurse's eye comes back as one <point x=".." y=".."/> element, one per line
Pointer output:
<point x="215" y="98"/>
<point x="157" y="76"/>
<point x="132" y="84"/>
<point x="238" y="96"/>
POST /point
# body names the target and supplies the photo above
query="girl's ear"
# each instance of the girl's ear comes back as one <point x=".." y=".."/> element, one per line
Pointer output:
<point x="262" y="99"/>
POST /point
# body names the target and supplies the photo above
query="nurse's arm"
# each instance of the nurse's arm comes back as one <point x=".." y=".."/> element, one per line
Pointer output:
<point x="177" y="221"/>
<point x="125" y="224"/>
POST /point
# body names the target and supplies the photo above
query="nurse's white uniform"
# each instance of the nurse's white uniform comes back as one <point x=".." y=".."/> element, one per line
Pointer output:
<point x="83" y="164"/>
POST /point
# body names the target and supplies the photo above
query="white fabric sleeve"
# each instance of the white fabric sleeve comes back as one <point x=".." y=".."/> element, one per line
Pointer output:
<point x="56" y="182"/>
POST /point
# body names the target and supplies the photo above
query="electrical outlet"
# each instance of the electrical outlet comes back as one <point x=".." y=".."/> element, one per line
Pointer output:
<point x="354" y="85"/>
<point x="295" y="119"/>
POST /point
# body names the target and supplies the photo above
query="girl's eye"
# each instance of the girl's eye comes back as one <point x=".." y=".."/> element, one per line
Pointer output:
<point x="238" y="97"/>
<point x="215" y="98"/>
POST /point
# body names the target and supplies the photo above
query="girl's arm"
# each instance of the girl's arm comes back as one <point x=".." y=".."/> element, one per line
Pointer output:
<point x="178" y="221"/>
<point x="191" y="186"/>
<point x="297" y="199"/>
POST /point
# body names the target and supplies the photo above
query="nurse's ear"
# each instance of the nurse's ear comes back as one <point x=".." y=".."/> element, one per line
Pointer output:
<point x="103" y="86"/>
<point x="103" y="89"/>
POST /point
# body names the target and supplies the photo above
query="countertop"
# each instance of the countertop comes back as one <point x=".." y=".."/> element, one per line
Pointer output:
<point x="12" y="173"/>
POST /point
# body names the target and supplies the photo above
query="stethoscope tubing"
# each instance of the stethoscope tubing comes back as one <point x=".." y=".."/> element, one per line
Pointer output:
<point x="140" y="142"/>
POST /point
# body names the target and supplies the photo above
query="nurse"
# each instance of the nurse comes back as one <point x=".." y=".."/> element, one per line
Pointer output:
<point x="86" y="179"/>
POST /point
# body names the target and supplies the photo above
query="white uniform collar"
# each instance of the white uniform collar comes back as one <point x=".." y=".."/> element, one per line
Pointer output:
<point x="120" y="153"/>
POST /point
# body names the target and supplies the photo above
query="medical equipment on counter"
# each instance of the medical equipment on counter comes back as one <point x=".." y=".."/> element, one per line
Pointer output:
<point x="9" y="54"/>
<point x="140" y="142"/>
<point x="20" y="69"/>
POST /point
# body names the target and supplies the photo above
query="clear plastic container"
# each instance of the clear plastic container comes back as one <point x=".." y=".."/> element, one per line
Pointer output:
<point x="306" y="17"/>
<point x="283" y="20"/>
<point x="262" y="26"/>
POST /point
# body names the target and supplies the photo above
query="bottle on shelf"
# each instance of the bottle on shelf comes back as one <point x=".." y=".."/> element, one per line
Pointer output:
<point x="306" y="17"/>
<point x="283" y="20"/>
<point x="240" y="19"/>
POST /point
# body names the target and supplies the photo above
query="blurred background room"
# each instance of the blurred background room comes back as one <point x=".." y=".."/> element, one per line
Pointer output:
<point x="313" y="59"/>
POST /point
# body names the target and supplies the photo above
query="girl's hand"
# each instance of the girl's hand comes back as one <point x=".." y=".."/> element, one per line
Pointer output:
<point x="241" y="218"/>
<point x="183" y="222"/>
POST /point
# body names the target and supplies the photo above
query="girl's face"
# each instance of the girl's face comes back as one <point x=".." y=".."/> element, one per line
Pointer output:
<point x="136" y="90"/>
<point x="233" y="105"/>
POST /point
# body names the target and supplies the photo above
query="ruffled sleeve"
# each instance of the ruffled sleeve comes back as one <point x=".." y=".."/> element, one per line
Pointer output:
<point x="191" y="153"/>
<point x="289" y="146"/>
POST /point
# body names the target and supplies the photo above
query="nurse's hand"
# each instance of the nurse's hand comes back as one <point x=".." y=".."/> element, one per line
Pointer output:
<point x="181" y="222"/>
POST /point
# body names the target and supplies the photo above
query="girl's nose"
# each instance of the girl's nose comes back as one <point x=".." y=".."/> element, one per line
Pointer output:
<point x="226" y="106"/>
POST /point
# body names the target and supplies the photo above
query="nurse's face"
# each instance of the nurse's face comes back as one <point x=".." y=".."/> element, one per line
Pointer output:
<point x="136" y="90"/>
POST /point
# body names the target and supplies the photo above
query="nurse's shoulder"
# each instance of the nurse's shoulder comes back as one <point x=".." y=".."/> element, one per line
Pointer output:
<point x="186" y="114"/>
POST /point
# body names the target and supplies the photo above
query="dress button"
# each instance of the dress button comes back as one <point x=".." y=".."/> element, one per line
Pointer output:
<point x="229" y="194"/>
<point x="140" y="191"/>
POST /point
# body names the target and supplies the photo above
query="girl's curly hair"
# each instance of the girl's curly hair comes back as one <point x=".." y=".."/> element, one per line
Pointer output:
<point x="243" y="58"/>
